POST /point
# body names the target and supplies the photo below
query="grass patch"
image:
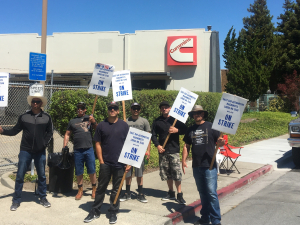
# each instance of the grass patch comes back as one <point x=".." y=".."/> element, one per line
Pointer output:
<point x="27" y="177"/>
<point x="257" y="126"/>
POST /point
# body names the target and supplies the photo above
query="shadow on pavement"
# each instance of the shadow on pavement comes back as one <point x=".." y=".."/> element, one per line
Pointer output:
<point x="26" y="197"/>
<point x="154" y="192"/>
<point x="285" y="162"/>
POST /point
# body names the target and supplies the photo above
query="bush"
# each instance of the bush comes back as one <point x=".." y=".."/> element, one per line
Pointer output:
<point x="63" y="105"/>
<point x="279" y="104"/>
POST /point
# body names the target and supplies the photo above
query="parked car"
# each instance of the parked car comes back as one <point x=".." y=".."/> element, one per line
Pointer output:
<point x="294" y="140"/>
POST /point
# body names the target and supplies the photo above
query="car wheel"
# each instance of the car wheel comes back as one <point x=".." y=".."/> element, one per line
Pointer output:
<point x="296" y="156"/>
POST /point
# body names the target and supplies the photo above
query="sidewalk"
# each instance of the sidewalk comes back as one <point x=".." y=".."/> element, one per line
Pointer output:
<point x="65" y="210"/>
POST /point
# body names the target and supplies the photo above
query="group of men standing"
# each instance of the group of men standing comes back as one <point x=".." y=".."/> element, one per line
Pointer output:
<point x="109" y="138"/>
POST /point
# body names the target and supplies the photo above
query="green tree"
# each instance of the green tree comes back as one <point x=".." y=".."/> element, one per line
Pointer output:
<point x="249" y="57"/>
<point x="287" y="43"/>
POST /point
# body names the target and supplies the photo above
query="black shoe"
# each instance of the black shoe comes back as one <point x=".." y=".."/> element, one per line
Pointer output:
<point x="92" y="215"/>
<point x="125" y="197"/>
<point x="180" y="199"/>
<point x="14" y="206"/>
<point x="141" y="198"/>
<point x="112" y="218"/>
<point x="201" y="221"/>
<point x="44" y="202"/>
<point x="170" y="196"/>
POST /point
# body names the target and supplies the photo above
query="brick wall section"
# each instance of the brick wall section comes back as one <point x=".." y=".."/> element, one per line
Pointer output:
<point x="224" y="78"/>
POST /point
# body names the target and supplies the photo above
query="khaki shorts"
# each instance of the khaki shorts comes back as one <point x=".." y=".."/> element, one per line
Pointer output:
<point x="169" y="166"/>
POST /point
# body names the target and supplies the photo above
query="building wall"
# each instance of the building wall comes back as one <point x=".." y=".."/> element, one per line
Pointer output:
<point x="143" y="51"/>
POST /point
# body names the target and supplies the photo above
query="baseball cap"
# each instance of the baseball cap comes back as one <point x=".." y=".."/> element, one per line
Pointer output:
<point x="113" y="104"/>
<point x="135" y="104"/>
<point x="164" y="103"/>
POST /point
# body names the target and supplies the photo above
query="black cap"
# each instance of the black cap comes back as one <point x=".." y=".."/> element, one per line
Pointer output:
<point x="113" y="104"/>
<point x="164" y="103"/>
<point x="135" y="104"/>
<point x="82" y="104"/>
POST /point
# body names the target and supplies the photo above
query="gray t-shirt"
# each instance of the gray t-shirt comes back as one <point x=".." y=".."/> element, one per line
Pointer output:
<point x="82" y="135"/>
<point x="141" y="124"/>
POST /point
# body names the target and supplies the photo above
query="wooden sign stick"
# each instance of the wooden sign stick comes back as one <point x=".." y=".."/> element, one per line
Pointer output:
<point x="120" y="187"/>
<point x="124" y="111"/>
<point x="169" y="134"/>
<point x="95" y="101"/>
<point x="214" y="157"/>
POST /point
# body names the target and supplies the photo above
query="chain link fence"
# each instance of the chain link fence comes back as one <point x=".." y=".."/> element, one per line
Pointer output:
<point x="17" y="105"/>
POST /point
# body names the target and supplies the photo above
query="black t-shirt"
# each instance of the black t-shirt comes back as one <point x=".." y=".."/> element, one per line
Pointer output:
<point x="203" y="140"/>
<point x="112" y="137"/>
<point x="82" y="135"/>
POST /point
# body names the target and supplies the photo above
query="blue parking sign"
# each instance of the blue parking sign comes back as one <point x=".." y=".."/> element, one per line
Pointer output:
<point x="37" y="66"/>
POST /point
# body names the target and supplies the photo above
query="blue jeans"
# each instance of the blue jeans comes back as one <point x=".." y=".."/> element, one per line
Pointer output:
<point x="86" y="155"/>
<point x="25" y="159"/>
<point x="206" y="181"/>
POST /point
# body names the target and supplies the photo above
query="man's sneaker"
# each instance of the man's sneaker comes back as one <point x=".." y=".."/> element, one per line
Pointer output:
<point x="14" y="206"/>
<point x="180" y="199"/>
<point x="44" y="202"/>
<point x="125" y="197"/>
<point x="201" y="222"/>
<point x="112" y="218"/>
<point x="141" y="198"/>
<point x="170" y="196"/>
<point x="92" y="215"/>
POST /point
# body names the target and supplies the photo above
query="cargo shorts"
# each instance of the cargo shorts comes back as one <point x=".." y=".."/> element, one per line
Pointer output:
<point x="169" y="166"/>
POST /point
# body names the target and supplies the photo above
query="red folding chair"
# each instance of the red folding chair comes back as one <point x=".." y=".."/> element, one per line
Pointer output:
<point x="229" y="155"/>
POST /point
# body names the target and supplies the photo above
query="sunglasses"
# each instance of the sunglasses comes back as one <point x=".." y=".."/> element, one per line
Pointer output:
<point x="82" y="108"/>
<point x="113" y="108"/>
<point x="37" y="102"/>
<point x="136" y="108"/>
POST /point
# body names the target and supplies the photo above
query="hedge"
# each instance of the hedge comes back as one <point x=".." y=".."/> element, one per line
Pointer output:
<point x="63" y="105"/>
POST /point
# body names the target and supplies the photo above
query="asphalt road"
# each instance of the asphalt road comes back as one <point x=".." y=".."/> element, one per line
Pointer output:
<point x="272" y="199"/>
<point x="278" y="203"/>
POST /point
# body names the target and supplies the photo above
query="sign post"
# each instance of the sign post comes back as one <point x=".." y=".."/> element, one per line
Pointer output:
<point x="183" y="104"/>
<point x="133" y="151"/>
<point x="122" y="90"/>
<point x="228" y="116"/>
<point x="4" y="77"/>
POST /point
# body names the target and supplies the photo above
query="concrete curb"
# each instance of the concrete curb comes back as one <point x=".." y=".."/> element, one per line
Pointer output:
<point x="196" y="206"/>
<point x="6" y="181"/>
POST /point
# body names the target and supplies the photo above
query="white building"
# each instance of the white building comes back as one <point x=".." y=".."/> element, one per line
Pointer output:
<point x="164" y="59"/>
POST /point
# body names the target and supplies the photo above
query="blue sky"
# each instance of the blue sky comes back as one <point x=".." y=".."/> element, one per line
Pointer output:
<point x="19" y="16"/>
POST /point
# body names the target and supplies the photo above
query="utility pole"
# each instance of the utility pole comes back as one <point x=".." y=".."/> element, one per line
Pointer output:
<point x="44" y="31"/>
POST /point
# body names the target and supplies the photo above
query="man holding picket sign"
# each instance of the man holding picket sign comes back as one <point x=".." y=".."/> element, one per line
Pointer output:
<point x="142" y="124"/>
<point x="109" y="139"/>
<point x="168" y="129"/>
<point x="81" y="128"/>
<point x="202" y="137"/>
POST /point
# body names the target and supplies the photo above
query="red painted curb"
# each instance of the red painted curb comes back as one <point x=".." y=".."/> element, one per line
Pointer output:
<point x="196" y="206"/>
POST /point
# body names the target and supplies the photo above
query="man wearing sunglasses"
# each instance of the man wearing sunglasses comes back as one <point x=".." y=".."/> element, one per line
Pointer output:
<point x="203" y="139"/>
<point x="109" y="139"/>
<point x="169" y="160"/>
<point x="142" y="124"/>
<point x="81" y="128"/>
<point x="37" y="132"/>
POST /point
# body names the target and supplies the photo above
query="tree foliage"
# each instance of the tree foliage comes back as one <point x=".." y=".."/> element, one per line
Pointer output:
<point x="288" y="42"/>
<point x="249" y="57"/>
<point x="291" y="88"/>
